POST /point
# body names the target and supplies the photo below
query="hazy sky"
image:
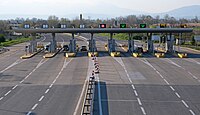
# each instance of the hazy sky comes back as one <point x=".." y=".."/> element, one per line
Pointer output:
<point x="47" y="7"/>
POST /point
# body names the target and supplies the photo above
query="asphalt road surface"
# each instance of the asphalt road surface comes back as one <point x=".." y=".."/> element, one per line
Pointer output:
<point x="126" y="86"/>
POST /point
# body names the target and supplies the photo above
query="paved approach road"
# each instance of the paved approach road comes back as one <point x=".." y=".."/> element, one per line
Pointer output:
<point x="127" y="85"/>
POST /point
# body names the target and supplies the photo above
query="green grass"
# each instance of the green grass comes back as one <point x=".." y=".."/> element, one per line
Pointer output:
<point x="120" y="36"/>
<point x="14" y="42"/>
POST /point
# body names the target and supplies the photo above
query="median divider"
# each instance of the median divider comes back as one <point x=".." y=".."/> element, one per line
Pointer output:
<point x="160" y="55"/>
<point x="137" y="54"/>
<point x="182" y="55"/>
<point x="30" y="55"/>
<point x="115" y="54"/>
<point x="70" y="55"/>
<point x="92" y="54"/>
<point x="51" y="55"/>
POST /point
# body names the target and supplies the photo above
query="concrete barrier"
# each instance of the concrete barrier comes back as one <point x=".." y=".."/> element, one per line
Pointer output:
<point x="30" y="55"/>
<point x="92" y="53"/>
<point x="115" y="54"/>
<point x="50" y="55"/>
<point x="182" y="55"/>
<point x="137" y="54"/>
<point x="160" y="55"/>
<point x="70" y="55"/>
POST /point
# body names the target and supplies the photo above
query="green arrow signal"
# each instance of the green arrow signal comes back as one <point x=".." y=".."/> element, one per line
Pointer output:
<point x="122" y="25"/>
<point x="143" y="25"/>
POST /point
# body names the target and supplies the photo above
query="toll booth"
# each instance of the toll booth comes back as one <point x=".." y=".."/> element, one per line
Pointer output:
<point x="72" y="46"/>
<point x="33" y="44"/>
<point x="53" y="44"/>
<point x="111" y="45"/>
<point x="169" y="44"/>
<point x="92" y="45"/>
<point x="150" y="47"/>
<point x="131" y="45"/>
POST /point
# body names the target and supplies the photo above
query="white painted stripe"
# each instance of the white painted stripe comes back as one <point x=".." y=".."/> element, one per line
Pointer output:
<point x="29" y="113"/>
<point x="177" y="95"/>
<point x="1" y="98"/>
<point x="192" y="112"/>
<point x="34" y="106"/>
<point x="54" y="81"/>
<point x="166" y="82"/>
<point x="41" y="98"/>
<point x="143" y="111"/>
<point x="21" y="81"/>
<point x="47" y="91"/>
<point x="136" y="94"/>
<point x="99" y="95"/>
<point x="133" y="86"/>
<point x="172" y="88"/>
<point x="7" y="93"/>
<point x="51" y="85"/>
<point x="15" y="87"/>
<point x="185" y="103"/>
<point x="139" y="101"/>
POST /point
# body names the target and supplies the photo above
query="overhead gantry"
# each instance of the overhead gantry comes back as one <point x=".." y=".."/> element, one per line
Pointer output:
<point x="111" y="41"/>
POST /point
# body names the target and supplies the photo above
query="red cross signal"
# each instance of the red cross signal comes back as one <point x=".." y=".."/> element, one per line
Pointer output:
<point x="102" y="25"/>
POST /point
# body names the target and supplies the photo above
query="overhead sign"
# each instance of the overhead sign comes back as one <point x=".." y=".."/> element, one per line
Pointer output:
<point x="122" y="25"/>
<point x="163" y="25"/>
<point x="44" y="26"/>
<point x="183" y="25"/>
<point x="143" y="25"/>
<point x="26" y="26"/>
<point x="102" y="25"/>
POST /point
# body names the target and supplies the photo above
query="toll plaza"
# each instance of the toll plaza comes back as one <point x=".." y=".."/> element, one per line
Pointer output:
<point x="132" y="48"/>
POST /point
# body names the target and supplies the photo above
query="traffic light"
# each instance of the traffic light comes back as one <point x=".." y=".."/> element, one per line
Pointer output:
<point x="102" y="25"/>
<point x="122" y="25"/>
<point x="163" y="25"/>
<point x="143" y="25"/>
<point x="183" y="26"/>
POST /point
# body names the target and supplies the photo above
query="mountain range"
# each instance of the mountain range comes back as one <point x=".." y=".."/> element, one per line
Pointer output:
<point x="187" y="12"/>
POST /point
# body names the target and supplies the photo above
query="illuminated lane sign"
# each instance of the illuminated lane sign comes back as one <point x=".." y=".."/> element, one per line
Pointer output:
<point x="26" y="26"/>
<point x="122" y="25"/>
<point x="102" y="25"/>
<point x="163" y="25"/>
<point x="143" y="25"/>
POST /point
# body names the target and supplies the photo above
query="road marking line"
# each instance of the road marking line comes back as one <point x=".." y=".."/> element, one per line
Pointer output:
<point x="192" y="112"/>
<point x="54" y="81"/>
<point x="139" y="101"/>
<point x="7" y="93"/>
<point x="21" y="81"/>
<point x="172" y="88"/>
<point x="29" y="113"/>
<point x="185" y="103"/>
<point x="99" y="95"/>
<point x="136" y="94"/>
<point x="15" y="87"/>
<point x="177" y="95"/>
<point x="41" y="98"/>
<point x="166" y="81"/>
<point x="1" y="98"/>
<point x="133" y="86"/>
<point x="50" y="85"/>
<point x="34" y="106"/>
<point x="47" y="91"/>
<point x="143" y="111"/>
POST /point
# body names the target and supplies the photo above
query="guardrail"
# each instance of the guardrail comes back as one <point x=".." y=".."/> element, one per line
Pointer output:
<point x="89" y="97"/>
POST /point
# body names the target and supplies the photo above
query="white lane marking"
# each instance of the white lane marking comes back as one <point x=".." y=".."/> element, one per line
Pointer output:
<point x="192" y="60"/>
<point x="185" y="103"/>
<point x="41" y="98"/>
<point x="193" y="75"/>
<point x="192" y="112"/>
<point x="29" y="113"/>
<point x="136" y="94"/>
<point x="133" y="86"/>
<point x="13" y="64"/>
<point x="172" y="88"/>
<point x="47" y="91"/>
<point x="14" y="87"/>
<point x="34" y="106"/>
<point x="139" y="101"/>
<point x="177" y="95"/>
<point x="1" y="98"/>
<point x="166" y="81"/>
<point x="50" y="85"/>
<point x="143" y="111"/>
<point x="99" y="95"/>
<point x="7" y="93"/>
